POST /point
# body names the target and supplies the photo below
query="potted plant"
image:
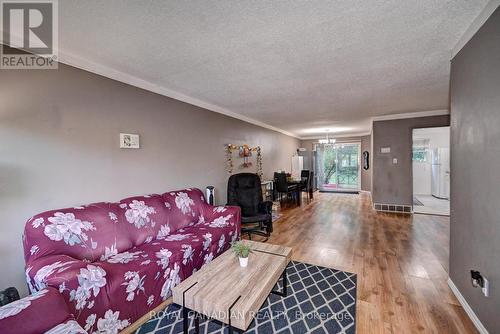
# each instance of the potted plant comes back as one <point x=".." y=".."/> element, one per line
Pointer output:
<point x="242" y="251"/>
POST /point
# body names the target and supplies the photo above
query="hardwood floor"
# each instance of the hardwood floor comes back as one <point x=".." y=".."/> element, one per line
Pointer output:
<point x="401" y="261"/>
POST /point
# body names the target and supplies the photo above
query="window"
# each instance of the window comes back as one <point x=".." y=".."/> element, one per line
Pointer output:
<point x="420" y="150"/>
<point x="419" y="154"/>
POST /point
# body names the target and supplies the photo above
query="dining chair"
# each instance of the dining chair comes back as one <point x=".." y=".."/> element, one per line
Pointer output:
<point x="282" y="186"/>
<point x="306" y="177"/>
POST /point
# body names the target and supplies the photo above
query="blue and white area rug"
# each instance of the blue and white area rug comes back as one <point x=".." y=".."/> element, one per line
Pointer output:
<point x="320" y="300"/>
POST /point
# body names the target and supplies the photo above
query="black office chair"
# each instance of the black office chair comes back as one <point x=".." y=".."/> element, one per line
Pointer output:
<point x="244" y="190"/>
<point x="282" y="186"/>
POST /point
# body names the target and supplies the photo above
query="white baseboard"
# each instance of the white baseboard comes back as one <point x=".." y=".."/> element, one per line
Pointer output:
<point x="467" y="308"/>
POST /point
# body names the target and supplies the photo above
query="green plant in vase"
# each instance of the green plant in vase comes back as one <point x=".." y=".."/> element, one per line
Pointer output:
<point x="242" y="251"/>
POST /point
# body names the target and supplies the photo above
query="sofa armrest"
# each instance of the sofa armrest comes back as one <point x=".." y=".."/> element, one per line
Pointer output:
<point x="51" y="271"/>
<point x="37" y="313"/>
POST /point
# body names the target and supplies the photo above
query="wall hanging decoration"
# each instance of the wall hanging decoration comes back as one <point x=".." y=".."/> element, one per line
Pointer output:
<point x="129" y="140"/>
<point x="366" y="160"/>
<point x="245" y="152"/>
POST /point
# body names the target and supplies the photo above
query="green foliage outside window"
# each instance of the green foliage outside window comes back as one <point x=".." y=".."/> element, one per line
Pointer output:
<point x="419" y="155"/>
<point x="345" y="169"/>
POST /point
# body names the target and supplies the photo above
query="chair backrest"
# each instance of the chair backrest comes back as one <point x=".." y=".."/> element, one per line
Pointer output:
<point x="275" y="176"/>
<point x="245" y="190"/>
<point x="311" y="180"/>
<point x="305" y="176"/>
<point x="281" y="183"/>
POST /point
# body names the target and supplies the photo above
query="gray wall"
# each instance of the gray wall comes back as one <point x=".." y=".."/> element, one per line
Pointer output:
<point x="475" y="166"/>
<point x="366" y="175"/>
<point x="392" y="184"/>
<point x="59" y="147"/>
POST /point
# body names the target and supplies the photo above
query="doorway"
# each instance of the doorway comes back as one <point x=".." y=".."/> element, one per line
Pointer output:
<point x="338" y="167"/>
<point x="431" y="170"/>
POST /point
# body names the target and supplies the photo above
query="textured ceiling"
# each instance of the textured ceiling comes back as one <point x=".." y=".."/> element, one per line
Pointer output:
<point x="301" y="66"/>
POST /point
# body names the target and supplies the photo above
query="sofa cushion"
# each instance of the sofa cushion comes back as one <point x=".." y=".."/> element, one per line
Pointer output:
<point x="184" y="207"/>
<point x="83" y="232"/>
<point x="143" y="277"/>
<point x="68" y="327"/>
<point x="146" y="217"/>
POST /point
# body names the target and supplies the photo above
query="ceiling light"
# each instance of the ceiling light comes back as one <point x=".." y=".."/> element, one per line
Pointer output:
<point x="327" y="140"/>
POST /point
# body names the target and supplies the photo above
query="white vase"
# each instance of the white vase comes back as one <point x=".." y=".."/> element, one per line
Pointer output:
<point x="243" y="261"/>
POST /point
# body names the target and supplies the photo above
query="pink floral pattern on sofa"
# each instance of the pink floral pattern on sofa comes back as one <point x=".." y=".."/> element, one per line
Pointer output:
<point x="113" y="262"/>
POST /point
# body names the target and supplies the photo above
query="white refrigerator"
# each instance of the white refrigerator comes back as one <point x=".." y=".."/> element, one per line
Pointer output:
<point x="440" y="173"/>
<point x="297" y="166"/>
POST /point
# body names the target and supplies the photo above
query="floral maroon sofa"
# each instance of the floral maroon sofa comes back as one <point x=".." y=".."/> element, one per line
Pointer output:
<point x="19" y="317"/>
<point x="113" y="262"/>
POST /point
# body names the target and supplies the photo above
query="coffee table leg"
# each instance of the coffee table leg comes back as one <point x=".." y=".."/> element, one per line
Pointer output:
<point x="196" y="323"/>
<point x="285" y="283"/>
<point x="185" y="320"/>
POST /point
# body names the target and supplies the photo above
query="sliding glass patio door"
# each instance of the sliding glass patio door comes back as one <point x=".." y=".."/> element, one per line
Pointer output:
<point x="338" y="166"/>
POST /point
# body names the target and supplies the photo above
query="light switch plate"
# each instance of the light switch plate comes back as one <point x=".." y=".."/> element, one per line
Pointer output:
<point x="385" y="150"/>
<point x="129" y="140"/>
<point x="395" y="161"/>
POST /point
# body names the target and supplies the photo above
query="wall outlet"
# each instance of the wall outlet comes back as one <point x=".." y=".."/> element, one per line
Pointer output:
<point x="395" y="161"/>
<point x="486" y="287"/>
<point x="479" y="281"/>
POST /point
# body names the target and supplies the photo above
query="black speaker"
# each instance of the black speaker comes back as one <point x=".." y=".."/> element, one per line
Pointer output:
<point x="8" y="296"/>
<point x="210" y="191"/>
<point x="366" y="160"/>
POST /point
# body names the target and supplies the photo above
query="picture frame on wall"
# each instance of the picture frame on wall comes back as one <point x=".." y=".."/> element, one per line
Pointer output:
<point x="129" y="140"/>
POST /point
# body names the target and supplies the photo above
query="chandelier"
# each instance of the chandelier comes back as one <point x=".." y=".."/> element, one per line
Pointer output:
<point x="327" y="140"/>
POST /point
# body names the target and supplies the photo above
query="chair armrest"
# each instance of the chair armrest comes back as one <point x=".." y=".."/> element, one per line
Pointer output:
<point x="266" y="207"/>
<point x="36" y="313"/>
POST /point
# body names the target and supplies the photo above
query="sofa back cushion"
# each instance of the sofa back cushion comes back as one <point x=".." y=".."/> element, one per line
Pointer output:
<point x="85" y="232"/>
<point x="100" y="230"/>
<point x="184" y="207"/>
<point x="146" y="217"/>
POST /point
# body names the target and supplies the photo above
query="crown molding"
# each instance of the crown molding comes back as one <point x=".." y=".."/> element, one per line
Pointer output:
<point x="411" y="115"/>
<point x="111" y="73"/>
<point x="475" y="26"/>
<point x="108" y="72"/>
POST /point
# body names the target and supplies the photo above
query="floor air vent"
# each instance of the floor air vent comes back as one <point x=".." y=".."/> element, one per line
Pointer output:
<point x="393" y="208"/>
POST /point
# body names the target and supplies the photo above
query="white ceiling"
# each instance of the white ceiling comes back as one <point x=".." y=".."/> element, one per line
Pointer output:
<point x="299" y="66"/>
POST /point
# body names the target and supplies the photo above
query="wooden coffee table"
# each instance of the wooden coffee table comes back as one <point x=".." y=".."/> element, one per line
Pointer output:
<point x="224" y="291"/>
